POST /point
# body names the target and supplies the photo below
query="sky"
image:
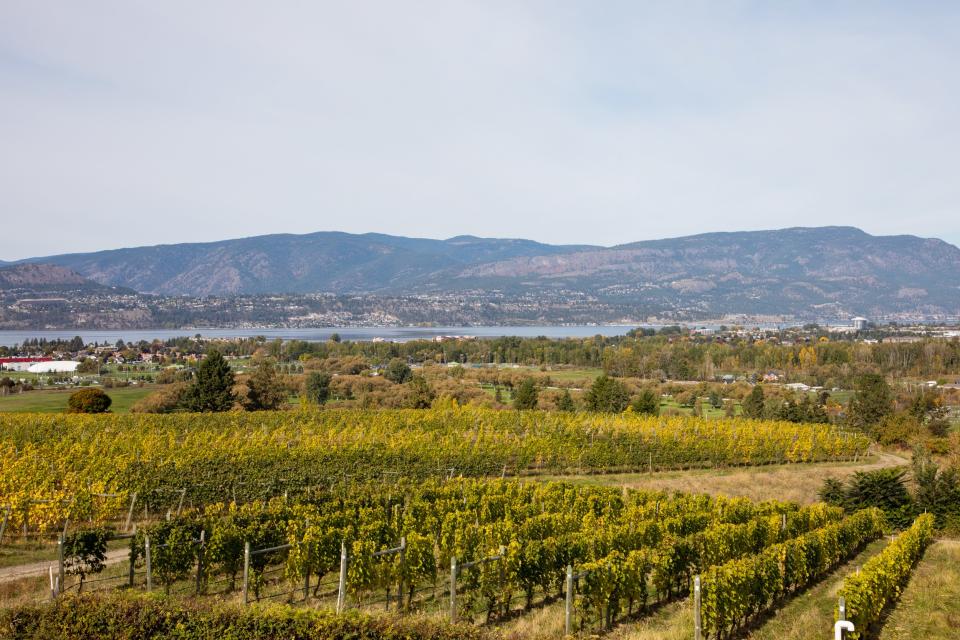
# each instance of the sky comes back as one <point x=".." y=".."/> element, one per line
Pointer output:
<point x="132" y="123"/>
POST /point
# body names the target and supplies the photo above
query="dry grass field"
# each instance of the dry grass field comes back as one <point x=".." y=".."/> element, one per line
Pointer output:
<point x="794" y="482"/>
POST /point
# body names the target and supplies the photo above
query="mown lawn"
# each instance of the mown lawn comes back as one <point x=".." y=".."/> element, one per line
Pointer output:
<point x="55" y="400"/>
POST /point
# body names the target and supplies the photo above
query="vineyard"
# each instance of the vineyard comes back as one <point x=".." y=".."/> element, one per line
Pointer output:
<point x="429" y="514"/>
<point x="93" y="468"/>
<point x="488" y="550"/>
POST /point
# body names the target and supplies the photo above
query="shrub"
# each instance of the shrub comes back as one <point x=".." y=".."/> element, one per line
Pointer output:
<point x="397" y="371"/>
<point x="89" y="401"/>
<point x="118" y="616"/>
<point x="84" y="552"/>
<point x="166" y="400"/>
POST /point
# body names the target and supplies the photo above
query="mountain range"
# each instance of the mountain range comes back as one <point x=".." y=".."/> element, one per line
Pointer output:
<point x="806" y="272"/>
<point x="40" y="277"/>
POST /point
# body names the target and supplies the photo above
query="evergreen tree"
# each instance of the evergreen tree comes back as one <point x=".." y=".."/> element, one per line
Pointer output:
<point x="647" y="402"/>
<point x="212" y="388"/>
<point x="565" y="403"/>
<point x="872" y="402"/>
<point x="526" y="395"/>
<point x="937" y="490"/>
<point x="317" y="387"/>
<point x="607" y="394"/>
<point x="716" y="401"/>
<point x="753" y="403"/>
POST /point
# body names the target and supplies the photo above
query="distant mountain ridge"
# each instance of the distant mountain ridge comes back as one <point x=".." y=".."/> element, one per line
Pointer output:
<point x="825" y="271"/>
<point x="287" y="263"/>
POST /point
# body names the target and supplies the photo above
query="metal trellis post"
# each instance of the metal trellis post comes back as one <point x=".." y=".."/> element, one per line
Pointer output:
<point x="697" y="623"/>
<point x="342" y="585"/>
<point x="453" y="589"/>
<point x="146" y="549"/>
<point x="246" y="570"/>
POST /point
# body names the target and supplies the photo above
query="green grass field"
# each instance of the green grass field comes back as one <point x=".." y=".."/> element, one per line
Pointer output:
<point x="55" y="400"/>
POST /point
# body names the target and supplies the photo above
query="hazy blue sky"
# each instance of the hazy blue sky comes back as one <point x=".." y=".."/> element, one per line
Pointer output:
<point x="126" y="123"/>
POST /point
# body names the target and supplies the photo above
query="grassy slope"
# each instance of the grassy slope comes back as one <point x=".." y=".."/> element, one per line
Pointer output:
<point x="795" y="482"/>
<point x="55" y="401"/>
<point x="930" y="605"/>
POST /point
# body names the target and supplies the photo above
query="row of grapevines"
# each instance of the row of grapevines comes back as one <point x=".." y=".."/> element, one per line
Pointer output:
<point x="625" y="574"/>
<point x="54" y="466"/>
<point x="735" y="591"/>
<point x="542" y="527"/>
<point x="883" y="577"/>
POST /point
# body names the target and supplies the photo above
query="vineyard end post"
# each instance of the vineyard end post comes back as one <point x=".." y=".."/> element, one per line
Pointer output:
<point x="453" y="589"/>
<point x="697" y="622"/>
<point x="403" y="571"/>
<point x="133" y="501"/>
<point x="568" y="611"/>
<point x="200" y="552"/>
<point x="60" y="572"/>
<point x="306" y="581"/>
<point x="306" y="577"/>
<point x="342" y="584"/>
<point x="146" y="553"/>
<point x="502" y="576"/>
<point x="842" y="606"/>
<point x="3" y="525"/>
<point x="246" y="570"/>
<point x="133" y="559"/>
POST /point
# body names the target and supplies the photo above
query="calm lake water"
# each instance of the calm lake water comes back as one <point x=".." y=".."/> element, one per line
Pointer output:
<point x="398" y="334"/>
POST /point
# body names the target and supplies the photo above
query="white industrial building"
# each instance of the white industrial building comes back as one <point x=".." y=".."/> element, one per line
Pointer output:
<point x="54" y="366"/>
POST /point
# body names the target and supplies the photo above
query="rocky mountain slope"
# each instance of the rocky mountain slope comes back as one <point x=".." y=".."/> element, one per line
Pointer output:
<point x="808" y="272"/>
<point x="46" y="277"/>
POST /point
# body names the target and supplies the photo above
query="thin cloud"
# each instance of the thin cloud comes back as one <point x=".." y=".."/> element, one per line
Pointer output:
<point x="136" y="123"/>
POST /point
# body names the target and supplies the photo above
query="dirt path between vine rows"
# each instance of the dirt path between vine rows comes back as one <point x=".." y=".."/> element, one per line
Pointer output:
<point x="34" y="569"/>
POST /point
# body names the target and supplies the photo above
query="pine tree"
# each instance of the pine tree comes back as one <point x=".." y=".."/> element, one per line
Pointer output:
<point x="212" y="388"/>
<point x="647" y="402"/>
<point x="753" y="403"/>
<point x="565" y="403"/>
<point x="526" y="395"/>
<point x="872" y="402"/>
<point x="607" y="394"/>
